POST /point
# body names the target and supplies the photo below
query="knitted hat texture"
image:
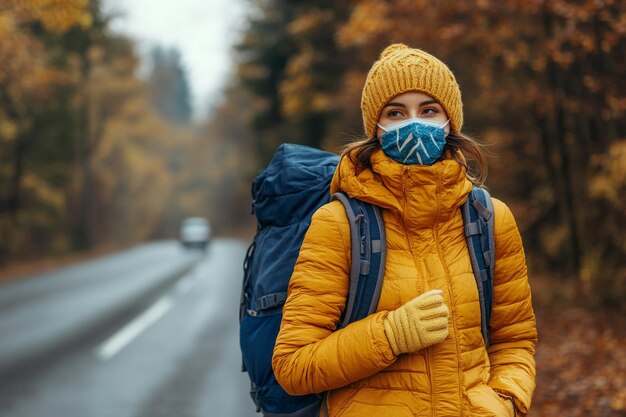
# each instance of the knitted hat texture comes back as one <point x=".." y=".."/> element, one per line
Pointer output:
<point x="401" y="69"/>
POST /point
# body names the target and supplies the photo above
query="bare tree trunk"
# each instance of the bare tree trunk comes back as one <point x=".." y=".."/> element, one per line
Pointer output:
<point x="78" y="197"/>
<point x="561" y="155"/>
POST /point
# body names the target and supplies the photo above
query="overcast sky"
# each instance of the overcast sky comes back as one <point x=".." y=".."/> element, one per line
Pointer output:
<point x="203" y="31"/>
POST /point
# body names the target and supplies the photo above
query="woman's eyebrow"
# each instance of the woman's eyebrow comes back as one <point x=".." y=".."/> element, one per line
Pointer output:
<point x="394" y="104"/>
<point x="423" y="103"/>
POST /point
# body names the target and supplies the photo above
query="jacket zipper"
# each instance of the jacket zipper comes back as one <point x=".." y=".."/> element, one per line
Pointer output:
<point x="443" y="263"/>
<point x="405" y="177"/>
<point x="428" y="365"/>
<point x="426" y="351"/>
<point x="452" y="315"/>
<point x="432" y="382"/>
<point x="458" y="350"/>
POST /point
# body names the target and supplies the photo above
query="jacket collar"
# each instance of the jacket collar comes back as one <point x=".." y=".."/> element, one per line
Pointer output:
<point x="422" y="195"/>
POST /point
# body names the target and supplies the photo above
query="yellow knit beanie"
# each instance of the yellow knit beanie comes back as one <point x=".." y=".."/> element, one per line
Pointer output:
<point x="401" y="69"/>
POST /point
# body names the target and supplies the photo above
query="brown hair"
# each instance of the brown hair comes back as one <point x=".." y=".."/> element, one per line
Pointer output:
<point x="361" y="151"/>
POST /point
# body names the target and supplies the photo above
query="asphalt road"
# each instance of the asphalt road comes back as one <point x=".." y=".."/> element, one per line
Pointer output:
<point x="172" y="352"/>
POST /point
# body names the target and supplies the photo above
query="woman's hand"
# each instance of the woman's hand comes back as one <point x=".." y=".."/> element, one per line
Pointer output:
<point x="419" y="323"/>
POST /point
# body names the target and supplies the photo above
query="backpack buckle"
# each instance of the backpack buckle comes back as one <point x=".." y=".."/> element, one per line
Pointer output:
<point x="362" y="224"/>
<point x="271" y="300"/>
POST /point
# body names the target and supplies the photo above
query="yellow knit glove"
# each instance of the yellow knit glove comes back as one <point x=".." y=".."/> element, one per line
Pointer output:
<point x="419" y="323"/>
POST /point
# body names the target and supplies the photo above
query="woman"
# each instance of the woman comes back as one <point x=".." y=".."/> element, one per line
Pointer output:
<point x="421" y="353"/>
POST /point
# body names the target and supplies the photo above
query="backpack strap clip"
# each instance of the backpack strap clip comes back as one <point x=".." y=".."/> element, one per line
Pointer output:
<point x="481" y="209"/>
<point x="271" y="300"/>
<point x="472" y="229"/>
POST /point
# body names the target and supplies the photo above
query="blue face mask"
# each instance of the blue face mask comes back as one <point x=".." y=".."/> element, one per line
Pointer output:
<point x="414" y="141"/>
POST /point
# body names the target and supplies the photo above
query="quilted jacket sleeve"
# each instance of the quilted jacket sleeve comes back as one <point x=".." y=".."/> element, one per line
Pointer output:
<point x="310" y="355"/>
<point x="513" y="331"/>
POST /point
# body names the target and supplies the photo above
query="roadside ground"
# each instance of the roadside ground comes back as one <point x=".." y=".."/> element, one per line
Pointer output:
<point x="581" y="357"/>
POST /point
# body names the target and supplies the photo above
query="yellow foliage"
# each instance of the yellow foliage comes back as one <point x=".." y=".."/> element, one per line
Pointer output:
<point x="6" y="22"/>
<point x="320" y="102"/>
<point x="25" y="69"/>
<point x="56" y="15"/>
<point x="43" y="191"/>
<point x="134" y="180"/>
<point x="252" y="72"/>
<point x="309" y="21"/>
<point x="295" y="88"/>
<point x="554" y="239"/>
<point x="8" y="130"/>
<point x="610" y="182"/>
<point x="368" y="19"/>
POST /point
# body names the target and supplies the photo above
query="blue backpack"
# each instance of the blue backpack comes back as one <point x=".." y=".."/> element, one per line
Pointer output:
<point x="285" y="196"/>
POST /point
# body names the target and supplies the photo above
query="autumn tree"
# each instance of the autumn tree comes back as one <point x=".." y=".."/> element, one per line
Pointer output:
<point x="30" y="82"/>
<point x="541" y="83"/>
<point x="85" y="159"/>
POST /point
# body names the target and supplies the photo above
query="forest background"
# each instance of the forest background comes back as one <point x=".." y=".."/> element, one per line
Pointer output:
<point x="92" y="156"/>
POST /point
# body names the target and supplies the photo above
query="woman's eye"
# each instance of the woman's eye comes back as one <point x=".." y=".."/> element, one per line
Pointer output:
<point x="430" y="111"/>
<point x="394" y="113"/>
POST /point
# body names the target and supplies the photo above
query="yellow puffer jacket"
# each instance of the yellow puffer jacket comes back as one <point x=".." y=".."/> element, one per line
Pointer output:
<point x="426" y="250"/>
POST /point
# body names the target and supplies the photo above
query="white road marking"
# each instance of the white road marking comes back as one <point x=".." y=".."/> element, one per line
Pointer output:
<point x="123" y="337"/>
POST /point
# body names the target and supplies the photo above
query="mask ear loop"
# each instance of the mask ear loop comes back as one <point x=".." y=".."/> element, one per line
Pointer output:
<point x="380" y="139"/>
<point x="381" y="126"/>
<point x="444" y="129"/>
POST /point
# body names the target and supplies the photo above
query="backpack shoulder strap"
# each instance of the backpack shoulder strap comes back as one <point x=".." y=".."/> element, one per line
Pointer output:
<point x="369" y="250"/>
<point x="478" y="218"/>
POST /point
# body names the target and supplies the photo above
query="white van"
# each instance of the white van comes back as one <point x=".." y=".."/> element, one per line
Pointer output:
<point x="195" y="232"/>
